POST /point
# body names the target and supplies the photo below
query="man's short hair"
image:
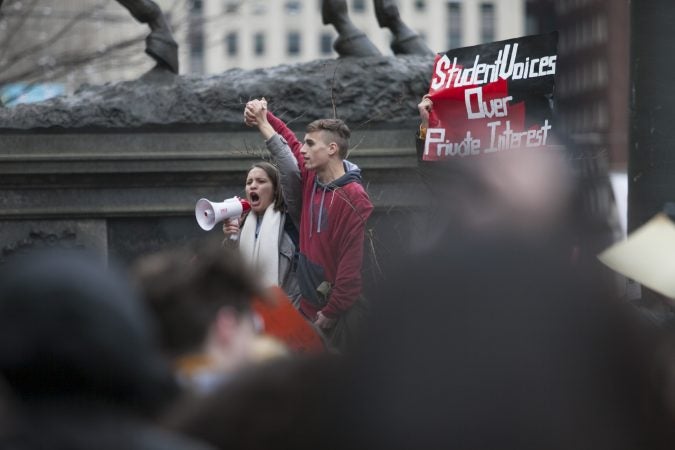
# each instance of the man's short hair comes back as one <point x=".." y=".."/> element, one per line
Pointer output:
<point x="336" y="130"/>
<point x="186" y="287"/>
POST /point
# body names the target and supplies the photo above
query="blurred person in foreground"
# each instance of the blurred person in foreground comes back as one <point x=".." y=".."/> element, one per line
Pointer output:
<point x="497" y="342"/>
<point x="282" y="404"/>
<point x="483" y="342"/>
<point x="488" y="337"/>
<point x="78" y="353"/>
<point x="202" y="295"/>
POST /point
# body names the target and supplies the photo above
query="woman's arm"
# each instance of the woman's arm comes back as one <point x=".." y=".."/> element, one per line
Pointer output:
<point x="276" y="135"/>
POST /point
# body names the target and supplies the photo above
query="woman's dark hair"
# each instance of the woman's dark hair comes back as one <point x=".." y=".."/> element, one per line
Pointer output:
<point x="273" y="174"/>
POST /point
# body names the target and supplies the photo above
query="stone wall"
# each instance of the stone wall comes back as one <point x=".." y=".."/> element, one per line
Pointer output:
<point x="118" y="168"/>
<point x="128" y="192"/>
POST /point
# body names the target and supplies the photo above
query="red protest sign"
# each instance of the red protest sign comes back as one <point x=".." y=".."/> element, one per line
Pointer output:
<point x="492" y="97"/>
<point x="282" y="321"/>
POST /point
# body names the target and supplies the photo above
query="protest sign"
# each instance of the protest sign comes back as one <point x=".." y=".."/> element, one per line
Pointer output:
<point x="492" y="97"/>
<point x="647" y="255"/>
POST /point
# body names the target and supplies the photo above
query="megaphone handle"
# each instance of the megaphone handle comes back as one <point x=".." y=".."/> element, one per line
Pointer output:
<point x="234" y="237"/>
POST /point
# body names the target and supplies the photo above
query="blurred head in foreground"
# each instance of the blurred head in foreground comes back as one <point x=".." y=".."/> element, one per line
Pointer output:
<point x="78" y="354"/>
<point x="518" y="192"/>
<point x="489" y="343"/>
<point x="202" y="296"/>
<point x="71" y="327"/>
<point x="289" y="404"/>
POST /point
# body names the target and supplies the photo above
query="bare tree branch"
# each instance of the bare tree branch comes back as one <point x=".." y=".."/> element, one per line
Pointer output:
<point x="28" y="66"/>
<point x="28" y="52"/>
<point x="13" y="32"/>
<point x="72" y="60"/>
<point x="332" y="90"/>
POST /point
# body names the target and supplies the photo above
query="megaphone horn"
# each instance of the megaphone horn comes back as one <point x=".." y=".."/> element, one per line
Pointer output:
<point x="208" y="213"/>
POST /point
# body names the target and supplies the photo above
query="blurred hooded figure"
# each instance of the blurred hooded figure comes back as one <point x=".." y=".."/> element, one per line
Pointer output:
<point x="500" y="343"/>
<point x="77" y="350"/>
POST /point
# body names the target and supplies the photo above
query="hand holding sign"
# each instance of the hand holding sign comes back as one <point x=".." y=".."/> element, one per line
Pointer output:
<point x="424" y="108"/>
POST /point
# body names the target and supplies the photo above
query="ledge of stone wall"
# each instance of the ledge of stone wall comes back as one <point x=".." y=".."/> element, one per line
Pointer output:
<point x="98" y="175"/>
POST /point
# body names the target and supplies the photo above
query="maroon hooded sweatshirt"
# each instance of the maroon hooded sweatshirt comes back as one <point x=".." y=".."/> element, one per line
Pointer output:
<point x="332" y="231"/>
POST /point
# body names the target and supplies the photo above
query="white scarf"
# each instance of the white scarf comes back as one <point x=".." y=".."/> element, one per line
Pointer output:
<point x="262" y="253"/>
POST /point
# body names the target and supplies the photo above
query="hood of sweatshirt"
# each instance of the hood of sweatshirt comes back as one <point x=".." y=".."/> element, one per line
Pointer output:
<point x="352" y="174"/>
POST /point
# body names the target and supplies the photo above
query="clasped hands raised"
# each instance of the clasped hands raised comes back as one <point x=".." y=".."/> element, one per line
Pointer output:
<point x="255" y="112"/>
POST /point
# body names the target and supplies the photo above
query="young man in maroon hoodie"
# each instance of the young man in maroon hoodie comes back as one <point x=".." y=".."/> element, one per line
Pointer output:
<point x="324" y="191"/>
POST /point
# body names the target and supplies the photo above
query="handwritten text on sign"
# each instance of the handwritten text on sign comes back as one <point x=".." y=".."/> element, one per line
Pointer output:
<point x="483" y="107"/>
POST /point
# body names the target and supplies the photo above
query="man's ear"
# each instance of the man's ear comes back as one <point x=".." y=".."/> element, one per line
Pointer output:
<point x="332" y="148"/>
<point x="226" y="325"/>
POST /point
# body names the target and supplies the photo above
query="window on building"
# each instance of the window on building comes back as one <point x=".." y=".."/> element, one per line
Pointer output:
<point x="293" y="7"/>
<point x="420" y="5"/>
<point x="293" y="43"/>
<point x="232" y="6"/>
<point x="587" y="114"/>
<point x="560" y="86"/>
<point x="487" y="22"/>
<point x="600" y="33"/>
<point x="358" y="5"/>
<point x="562" y="43"/>
<point x="259" y="8"/>
<point x="602" y="116"/>
<point x="454" y="24"/>
<point x="196" y="52"/>
<point x="326" y="43"/>
<point x="531" y="24"/>
<point x="196" y="63"/>
<point x="259" y="43"/>
<point x="586" y="77"/>
<point x="601" y="73"/>
<point x="196" y="5"/>
<point x="232" y="43"/>
<point x="578" y="120"/>
<point x="585" y="33"/>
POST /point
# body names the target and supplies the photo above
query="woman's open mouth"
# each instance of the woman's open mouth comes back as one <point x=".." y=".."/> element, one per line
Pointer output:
<point x="254" y="198"/>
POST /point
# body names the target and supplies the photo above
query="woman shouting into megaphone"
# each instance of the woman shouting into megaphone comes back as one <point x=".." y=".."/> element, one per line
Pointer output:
<point x="267" y="236"/>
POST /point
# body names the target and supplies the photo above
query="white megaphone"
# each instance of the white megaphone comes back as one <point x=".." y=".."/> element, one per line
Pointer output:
<point x="208" y="213"/>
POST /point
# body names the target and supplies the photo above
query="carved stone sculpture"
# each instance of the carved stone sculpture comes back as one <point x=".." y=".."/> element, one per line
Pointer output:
<point x="350" y="41"/>
<point x="406" y="41"/>
<point x="353" y="42"/>
<point x="160" y="43"/>
<point x="361" y="90"/>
